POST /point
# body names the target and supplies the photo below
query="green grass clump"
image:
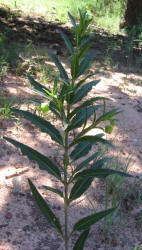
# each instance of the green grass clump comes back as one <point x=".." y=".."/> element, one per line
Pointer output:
<point x="5" y="109"/>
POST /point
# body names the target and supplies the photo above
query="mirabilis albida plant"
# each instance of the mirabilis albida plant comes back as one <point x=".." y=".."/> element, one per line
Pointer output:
<point x="64" y="102"/>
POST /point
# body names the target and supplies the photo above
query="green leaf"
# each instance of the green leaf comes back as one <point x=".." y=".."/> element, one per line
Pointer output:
<point x="79" y="245"/>
<point x="99" y="163"/>
<point x="84" y="50"/>
<point x="44" y="125"/>
<point x="107" y="116"/>
<point x="86" y="104"/>
<point x="46" y="211"/>
<point x="53" y="107"/>
<point x="99" y="173"/>
<point x="91" y="139"/>
<point x="87" y="40"/>
<point x="85" y="64"/>
<point x="83" y="91"/>
<point x="49" y="93"/>
<point x="55" y="87"/>
<point x="88" y="221"/>
<point x="83" y="80"/>
<point x="108" y="129"/>
<point x="113" y="122"/>
<point x="74" y="66"/>
<point x="83" y="114"/>
<point x="85" y="162"/>
<point x="80" y="187"/>
<point x="84" y="22"/>
<point x="43" y="162"/>
<point x="41" y="93"/>
<point x="80" y="150"/>
<point x="64" y="91"/>
<point x="77" y="36"/>
<point x="82" y="184"/>
<point x="37" y="85"/>
<point x="72" y="20"/>
<point x="63" y="73"/>
<point x="67" y="42"/>
<point x="54" y="190"/>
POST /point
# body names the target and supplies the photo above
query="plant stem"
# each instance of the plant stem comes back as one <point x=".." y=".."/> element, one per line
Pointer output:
<point x="66" y="217"/>
<point x="66" y="189"/>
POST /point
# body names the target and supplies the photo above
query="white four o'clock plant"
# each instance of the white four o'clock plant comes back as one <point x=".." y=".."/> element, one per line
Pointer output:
<point x="66" y="103"/>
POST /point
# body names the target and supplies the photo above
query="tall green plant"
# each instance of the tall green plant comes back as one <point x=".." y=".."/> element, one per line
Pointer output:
<point x="65" y="101"/>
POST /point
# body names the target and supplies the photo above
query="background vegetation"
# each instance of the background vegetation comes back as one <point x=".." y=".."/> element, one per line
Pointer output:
<point x="106" y="14"/>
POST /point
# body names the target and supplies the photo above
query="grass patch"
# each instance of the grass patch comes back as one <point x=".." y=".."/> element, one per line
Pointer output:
<point x="106" y="14"/>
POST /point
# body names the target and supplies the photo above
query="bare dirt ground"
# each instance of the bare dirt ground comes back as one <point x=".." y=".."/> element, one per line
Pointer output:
<point x="22" y="227"/>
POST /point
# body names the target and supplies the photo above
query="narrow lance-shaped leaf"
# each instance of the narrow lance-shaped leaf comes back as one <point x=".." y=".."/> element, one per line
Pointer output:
<point x="67" y="42"/>
<point x="65" y="90"/>
<point x="41" y="93"/>
<point x="87" y="40"/>
<point x="99" y="173"/>
<point x="80" y="187"/>
<point x="74" y="66"/>
<point x="97" y="164"/>
<point x="63" y="73"/>
<point x="37" y="85"/>
<point x="88" y="114"/>
<point x="72" y="20"/>
<point x="88" y="221"/>
<point x="44" y="125"/>
<point x="37" y="101"/>
<point x="54" y="190"/>
<point x="91" y="139"/>
<point x="46" y="211"/>
<point x="83" y="91"/>
<point x="83" y="80"/>
<point x="77" y="36"/>
<point x="53" y="107"/>
<point x="55" y="87"/>
<point x="82" y="19"/>
<point x="56" y="100"/>
<point x="80" y="150"/>
<point x="82" y="116"/>
<point x="79" y="245"/>
<point x="85" y="64"/>
<point x="82" y="184"/>
<point x="44" y="162"/>
<point x="85" y="162"/>
<point x="86" y="104"/>
<point x="107" y="116"/>
<point x="84" y="50"/>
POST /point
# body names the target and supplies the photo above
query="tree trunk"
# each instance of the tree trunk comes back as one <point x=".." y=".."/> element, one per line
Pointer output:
<point x="133" y="13"/>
